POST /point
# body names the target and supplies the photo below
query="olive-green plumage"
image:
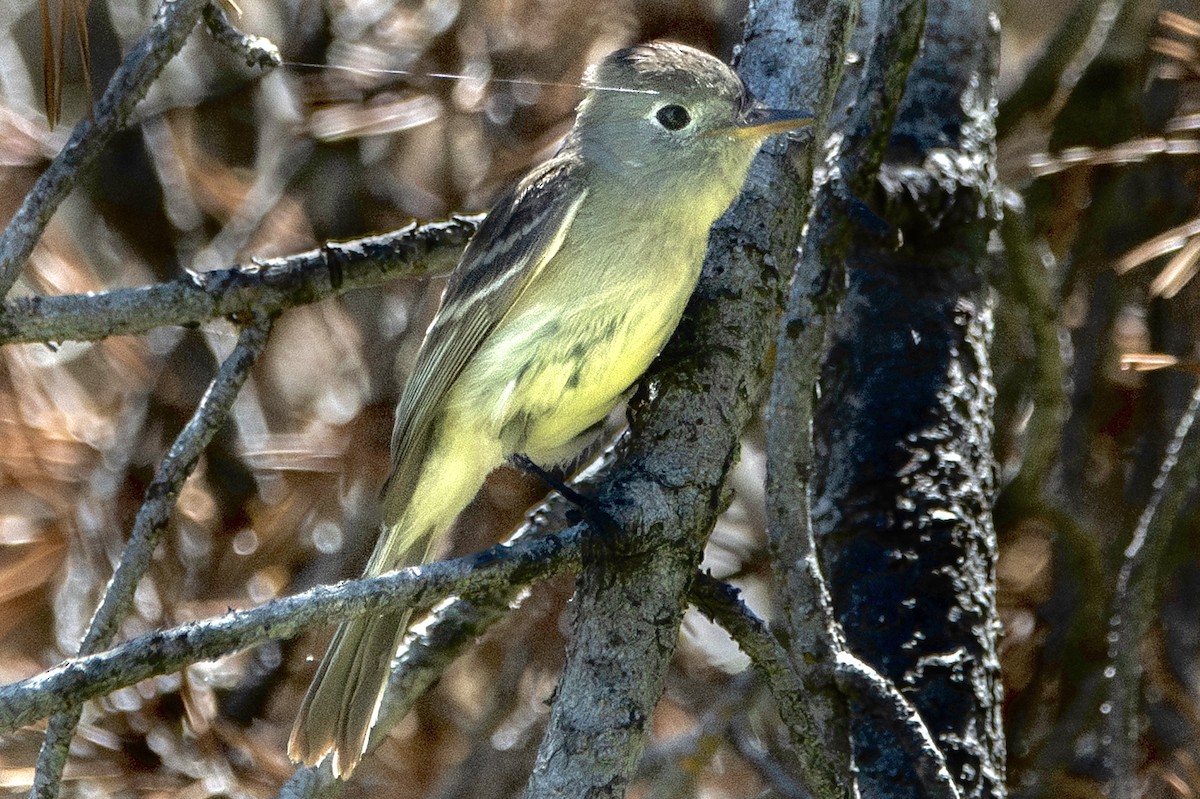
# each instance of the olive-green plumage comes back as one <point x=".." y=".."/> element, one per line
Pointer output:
<point x="571" y="287"/>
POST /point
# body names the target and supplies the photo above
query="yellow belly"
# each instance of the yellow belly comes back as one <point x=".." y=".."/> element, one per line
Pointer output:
<point x="546" y="375"/>
<point x="544" y="378"/>
<point x="579" y="337"/>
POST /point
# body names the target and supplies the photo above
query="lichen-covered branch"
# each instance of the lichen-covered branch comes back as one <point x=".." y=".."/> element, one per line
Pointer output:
<point x="255" y="50"/>
<point x="148" y="526"/>
<point x="904" y="423"/>
<point x="720" y="603"/>
<point x="883" y="701"/>
<point x="80" y="679"/>
<point x="266" y="286"/>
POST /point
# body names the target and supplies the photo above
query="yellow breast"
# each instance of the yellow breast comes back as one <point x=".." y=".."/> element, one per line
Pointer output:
<point x="584" y="331"/>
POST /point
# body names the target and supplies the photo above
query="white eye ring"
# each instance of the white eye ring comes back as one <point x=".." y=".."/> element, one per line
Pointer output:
<point x="673" y="117"/>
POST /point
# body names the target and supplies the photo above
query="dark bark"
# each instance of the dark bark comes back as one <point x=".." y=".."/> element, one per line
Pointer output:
<point x="866" y="105"/>
<point x="905" y="425"/>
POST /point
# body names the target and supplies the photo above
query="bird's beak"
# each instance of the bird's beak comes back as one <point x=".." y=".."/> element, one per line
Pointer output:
<point x="759" y="122"/>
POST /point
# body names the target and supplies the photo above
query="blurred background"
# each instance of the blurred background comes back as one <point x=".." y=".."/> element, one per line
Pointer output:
<point x="1097" y="149"/>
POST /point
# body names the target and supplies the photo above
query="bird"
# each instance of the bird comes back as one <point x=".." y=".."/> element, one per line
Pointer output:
<point x="569" y="289"/>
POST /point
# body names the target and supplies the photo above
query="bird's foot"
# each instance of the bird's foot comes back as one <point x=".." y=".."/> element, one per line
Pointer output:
<point x="589" y="509"/>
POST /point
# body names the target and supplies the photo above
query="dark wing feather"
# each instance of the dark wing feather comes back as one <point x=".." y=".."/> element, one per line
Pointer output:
<point x="519" y="236"/>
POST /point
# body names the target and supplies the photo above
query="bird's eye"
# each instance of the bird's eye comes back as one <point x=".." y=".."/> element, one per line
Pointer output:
<point x="673" y="117"/>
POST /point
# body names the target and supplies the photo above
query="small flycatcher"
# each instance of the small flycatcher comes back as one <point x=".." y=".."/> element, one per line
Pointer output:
<point x="570" y="288"/>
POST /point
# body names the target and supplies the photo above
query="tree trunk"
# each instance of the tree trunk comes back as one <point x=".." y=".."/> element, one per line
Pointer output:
<point x="904" y="428"/>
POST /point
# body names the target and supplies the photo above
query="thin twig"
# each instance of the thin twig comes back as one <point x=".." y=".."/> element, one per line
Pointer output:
<point x="257" y="51"/>
<point x="880" y="697"/>
<point x="720" y="602"/>
<point x="265" y="286"/>
<point x="80" y="679"/>
<point x="171" y="26"/>
<point x="148" y="526"/>
<point x="1067" y="52"/>
<point x="1136" y="591"/>
<point x="1031" y="285"/>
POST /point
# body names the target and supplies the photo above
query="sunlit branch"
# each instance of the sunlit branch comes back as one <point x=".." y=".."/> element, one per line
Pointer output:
<point x="79" y="679"/>
<point x="266" y="286"/>
<point x="170" y="28"/>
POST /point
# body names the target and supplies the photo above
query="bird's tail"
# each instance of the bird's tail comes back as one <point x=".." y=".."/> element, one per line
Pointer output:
<point x="432" y="483"/>
<point x="339" y="710"/>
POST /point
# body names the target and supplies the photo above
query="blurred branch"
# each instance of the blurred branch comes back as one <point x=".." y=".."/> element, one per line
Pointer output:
<point x="148" y="526"/>
<point x="170" y="28"/>
<point x="79" y="679"/>
<point x="1135" y="596"/>
<point x="257" y="51"/>
<point x="315" y="782"/>
<point x="769" y="765"/>
<point x="1031" y="282"/>
<point x="1064" y="58"/>
<point x="674" y="768"/>
<point x="267" y="286"/>
<point x="814" y="636"/>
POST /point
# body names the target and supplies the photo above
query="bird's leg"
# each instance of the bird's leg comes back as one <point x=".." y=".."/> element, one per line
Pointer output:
<point x="590" y="509"/>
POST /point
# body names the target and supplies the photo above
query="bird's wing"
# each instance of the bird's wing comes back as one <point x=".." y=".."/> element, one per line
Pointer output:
<point x="521" y="234"/>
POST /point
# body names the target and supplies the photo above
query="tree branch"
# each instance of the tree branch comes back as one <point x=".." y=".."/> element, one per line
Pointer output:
<point x="904" y="422"/>
<point x="1064" y="57"/>
<point x="454" y="628"/>
<point x="80" y="679"/>
<point x="891" y="37"/>
<point x="1030" y="283"/>
<point x="267" y="286"/>
<point x="148" y="526"/>
<point x="668" y="491"/>
<point x="1135" y="596"/>
<point x="720" y="602"/>
<point x="255" y="50"/>
<point x="879" y="696"/>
